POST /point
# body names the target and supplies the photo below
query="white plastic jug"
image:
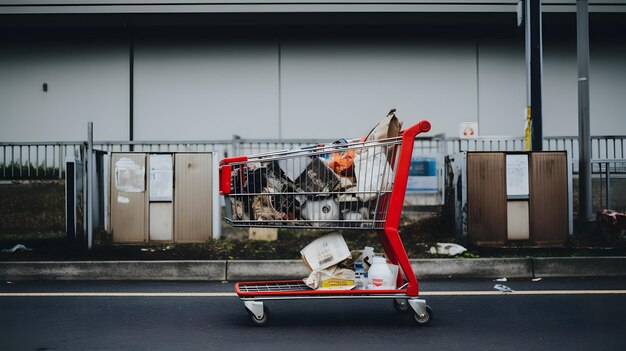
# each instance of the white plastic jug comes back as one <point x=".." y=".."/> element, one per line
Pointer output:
<point x="379" y="276"/>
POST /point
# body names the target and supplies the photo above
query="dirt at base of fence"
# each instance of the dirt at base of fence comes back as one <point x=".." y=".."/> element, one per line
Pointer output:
<point x="32" y="214"/>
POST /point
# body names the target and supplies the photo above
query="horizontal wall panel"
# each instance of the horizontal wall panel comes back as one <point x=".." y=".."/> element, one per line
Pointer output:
<point x="87" y="81"/>
<point x="342" y="86"/>
<point x="206" y="89"/>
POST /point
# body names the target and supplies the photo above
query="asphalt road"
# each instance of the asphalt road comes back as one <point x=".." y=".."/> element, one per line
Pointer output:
<point x="468" y="315"/>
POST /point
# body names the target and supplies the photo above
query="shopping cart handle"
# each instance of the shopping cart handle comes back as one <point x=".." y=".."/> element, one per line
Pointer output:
<point x="233" y="159"/>
<point x="422" y="126"/>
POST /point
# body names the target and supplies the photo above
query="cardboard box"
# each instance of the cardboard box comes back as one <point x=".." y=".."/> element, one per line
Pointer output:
<point x="265" y="234"/>
<point x="324" y="252"/>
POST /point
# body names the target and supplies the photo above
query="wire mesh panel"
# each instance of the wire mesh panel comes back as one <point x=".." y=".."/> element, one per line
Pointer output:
<point x="345" y="184"/>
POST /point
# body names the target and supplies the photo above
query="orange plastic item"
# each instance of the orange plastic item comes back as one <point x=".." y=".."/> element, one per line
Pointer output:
<point x="342" y="162"/>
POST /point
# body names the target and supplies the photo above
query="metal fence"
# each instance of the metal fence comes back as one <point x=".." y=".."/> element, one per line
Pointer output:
<point x="28" y="160"/>
<point x="35" y="160"/>
<point x="607" y="147"/>
<point x="609" y="184"/>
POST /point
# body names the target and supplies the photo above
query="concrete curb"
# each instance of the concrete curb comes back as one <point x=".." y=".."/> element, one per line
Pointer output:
<point x="266" y="270"/>
<point x="580" y="266"/>
<point x="114" y="270"/>
<point x="473" y="268"/>
<point x="295" y="269"/>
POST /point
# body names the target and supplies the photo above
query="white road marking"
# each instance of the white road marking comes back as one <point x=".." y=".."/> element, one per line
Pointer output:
<point x="522" y="292"/>
<point x="116" y="294"/>
<point x="227" y="294"/>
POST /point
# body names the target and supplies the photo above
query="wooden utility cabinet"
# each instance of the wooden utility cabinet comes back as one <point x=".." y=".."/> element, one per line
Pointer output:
<point x="128" y="198"/>
<point x="162" y="197"/>
<point x="193" y="207"/>
<point x="486" y="196"/>
<point x="517" y="197"/>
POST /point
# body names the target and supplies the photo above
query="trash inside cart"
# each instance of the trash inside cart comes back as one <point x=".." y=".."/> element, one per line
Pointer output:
<point x="349" y="184"/>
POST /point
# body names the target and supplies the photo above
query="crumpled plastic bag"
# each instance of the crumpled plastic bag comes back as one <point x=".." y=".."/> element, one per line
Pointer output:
<point x="263" y="209"/>
<point x="15" y="248"/>
<point x="449" y="249"/>
<point x="372" y="173"/>
<point x="503" y="288"/>
<point x="342" y="162"/>
<point x="332" y="277"/>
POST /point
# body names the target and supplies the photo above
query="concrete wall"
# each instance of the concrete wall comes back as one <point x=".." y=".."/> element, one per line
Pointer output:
<point x="350" y="83"/>
<point x="87" y="81"/>
<point x="207" y="88"/>
<point x="297" y="85"/>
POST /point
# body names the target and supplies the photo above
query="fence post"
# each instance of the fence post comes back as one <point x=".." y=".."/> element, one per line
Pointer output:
<point x="90" y="184"/>
<point x="236" y="143"/>
<point x="608" y="185"/>
<point x="60" y="161"/>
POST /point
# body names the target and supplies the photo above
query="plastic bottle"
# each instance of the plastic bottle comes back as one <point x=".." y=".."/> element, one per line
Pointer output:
<point x="368" y="253"/>
<point x="379" y="276"/>
<point x="360" y="281"/>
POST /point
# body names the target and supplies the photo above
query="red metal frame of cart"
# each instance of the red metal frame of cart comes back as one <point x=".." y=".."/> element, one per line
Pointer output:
<point x="389" y="237"/>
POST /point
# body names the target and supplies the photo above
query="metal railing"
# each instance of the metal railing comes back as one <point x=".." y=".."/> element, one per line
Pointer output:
<point x="35" y="160"/>
<point x="606" y="147"/>
<point x="27" y="160"/>
<point x="609" y="184"/>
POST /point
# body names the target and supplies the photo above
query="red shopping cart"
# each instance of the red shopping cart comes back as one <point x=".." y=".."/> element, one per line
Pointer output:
<point x="356" y="185"/>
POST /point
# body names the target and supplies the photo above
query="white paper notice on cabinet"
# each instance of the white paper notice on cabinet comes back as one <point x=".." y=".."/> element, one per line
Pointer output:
<point x="161" y="178"/>
<point x="129" y="176"/>
<point x="517" y="175"/>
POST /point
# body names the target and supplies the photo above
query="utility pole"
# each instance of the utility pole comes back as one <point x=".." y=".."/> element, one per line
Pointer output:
<point x="584" y="139"/>
<point x="534" y="54"/>
<point x="91" y="181"/>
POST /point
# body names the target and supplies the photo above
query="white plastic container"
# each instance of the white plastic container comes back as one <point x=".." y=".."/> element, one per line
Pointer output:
<point x="379" y="276"/>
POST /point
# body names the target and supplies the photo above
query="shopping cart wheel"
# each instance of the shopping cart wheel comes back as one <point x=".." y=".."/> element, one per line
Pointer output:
<point x="401" y="305"/>
<point x="425" y="319"/>
<point x="263" y="320"/>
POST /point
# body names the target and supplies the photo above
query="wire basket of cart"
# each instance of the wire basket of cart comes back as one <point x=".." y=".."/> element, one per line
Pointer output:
<point x="354" y="184"/>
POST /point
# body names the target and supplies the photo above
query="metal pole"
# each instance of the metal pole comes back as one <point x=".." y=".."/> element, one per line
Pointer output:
<point x="608" y="185"/>
<point x="90" y="184"/>
<point x="584" y="139"/>
<point x="536" y="62"/>
<point x="527" y="55"/>
<point x="131" y="91"/>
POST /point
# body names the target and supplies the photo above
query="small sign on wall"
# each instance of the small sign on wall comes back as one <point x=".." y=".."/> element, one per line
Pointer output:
<point x="468" y="130"/>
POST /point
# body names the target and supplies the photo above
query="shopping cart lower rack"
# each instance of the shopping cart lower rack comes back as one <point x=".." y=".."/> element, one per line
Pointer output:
<point x="356" y="185"/>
